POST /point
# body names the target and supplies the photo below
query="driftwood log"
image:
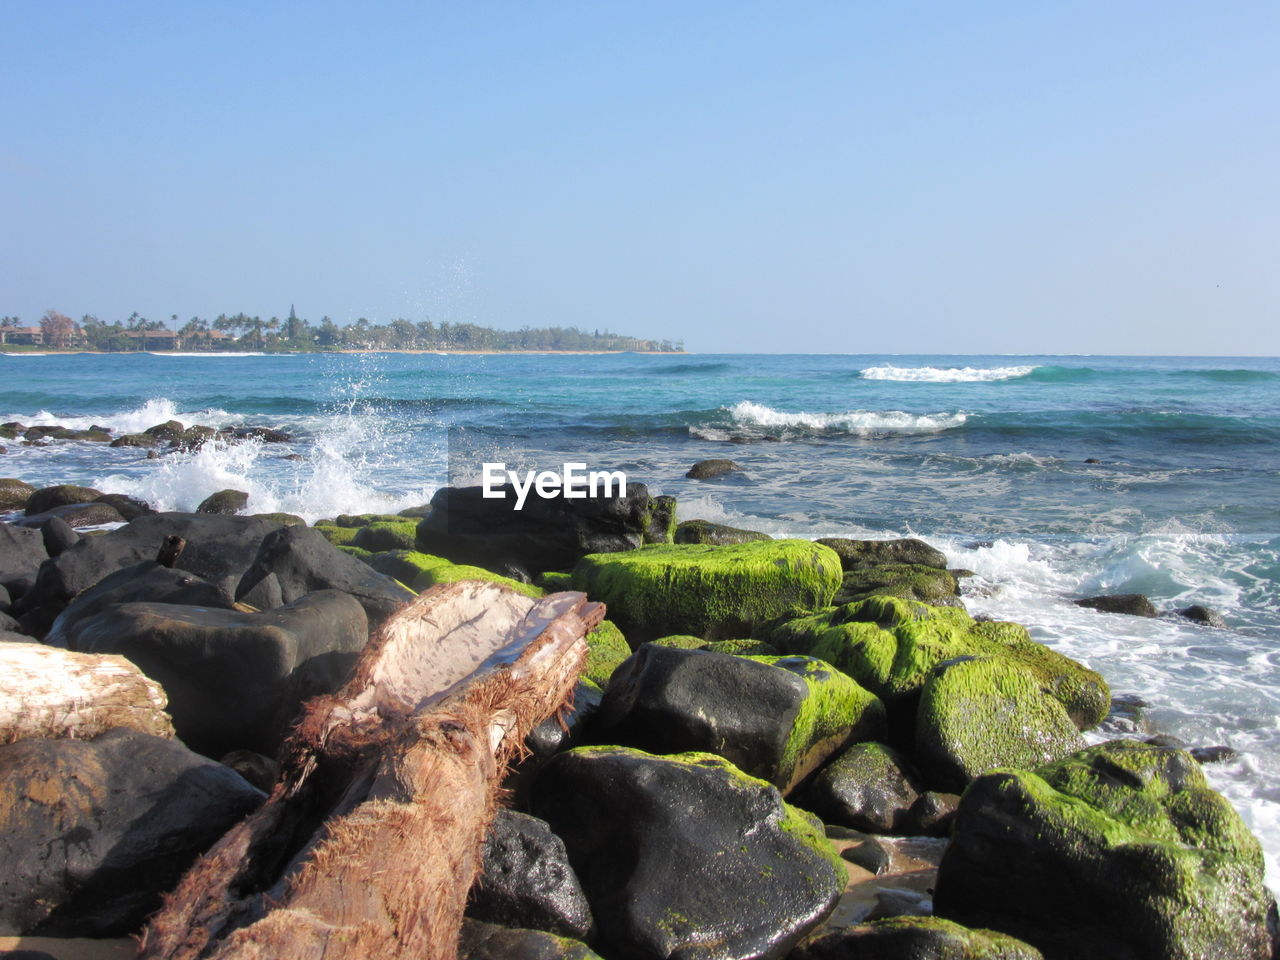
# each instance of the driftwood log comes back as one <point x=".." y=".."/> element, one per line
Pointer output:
<point x="369" y="843"/>
<point x="47" y="692"/>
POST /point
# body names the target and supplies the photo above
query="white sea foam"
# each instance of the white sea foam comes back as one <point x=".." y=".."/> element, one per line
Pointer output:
<point x="154" y="411"/>
<point x="856" y="422"/>
<point x="945" y="374"/>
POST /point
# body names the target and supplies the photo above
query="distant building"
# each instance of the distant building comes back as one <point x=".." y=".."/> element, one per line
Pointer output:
<point x="24" y="336"/>
<point x="155" y="339"/>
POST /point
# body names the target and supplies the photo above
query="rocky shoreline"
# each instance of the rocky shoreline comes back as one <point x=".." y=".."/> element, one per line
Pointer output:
<point x="776" y="748"/>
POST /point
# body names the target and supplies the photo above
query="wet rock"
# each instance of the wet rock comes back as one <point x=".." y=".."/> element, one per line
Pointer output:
<point x="1128" y="715"/>
<point x="302" y="560"/>
<point x="705" y="862"/>
<point x="488" y="941"/>
<point x="866" y="553"/>
<point x="263" y="434"/>
<point x="869" y="786"/>
<point x="14" y="493"/>
<point x="169" y="432"/>
<point x="76" y="515"/>
<point x="915" y="938"/>
<point x="718" y="593"/>
<point x="224" y="502"/>
<point x="712" y="469"/>
<point x="234" y="680"/>
<point x="526" y="880"/>
<point x="1217" y="754"/>
<point x="978" y="713"/>
<point x="96" y="830"/>
<point x="933" y="813"/>
<point x="1199" y="613"/>
<point x="262" y="772"/>
<point x="1133" y="604"/>
<point x="717" y="534"/>
<point x="144" y="440"/>
<point x="660" y="520"/>
<point x="1119" y="851"/>
<point x="58" y="536"/>
<point x="908" y="581"/>
<point x="547" y="534"/>
<point x="60" y="496"/>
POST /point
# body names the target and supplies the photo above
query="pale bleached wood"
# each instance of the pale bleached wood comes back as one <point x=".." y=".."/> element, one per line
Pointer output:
<point x="371" y="840"/>
<point x="48" y="692"/>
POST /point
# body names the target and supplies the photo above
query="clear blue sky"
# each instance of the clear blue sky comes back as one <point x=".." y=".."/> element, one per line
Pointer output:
<point x="1093" y="177"/>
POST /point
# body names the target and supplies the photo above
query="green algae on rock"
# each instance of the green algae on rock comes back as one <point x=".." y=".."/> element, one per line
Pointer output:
<point x="718" y="593"/>
<point x="917" y="938"/>
<point x="910" y="581"/>
<point x="607" y="648"/>
<point x="704" y="531"/>
<point x="1121" y="850"/>
<point x="978" y="713"/>
<point x="387" y="535"/>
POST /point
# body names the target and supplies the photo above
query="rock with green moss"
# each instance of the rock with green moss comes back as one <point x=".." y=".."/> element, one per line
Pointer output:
<point x="889" y="645"/>
<point x="607" y="649"/>
<point x="358" y="552"/>
<point x="978" y="713"/>
<point x="354" y="520"/>
<point x="681" y="641"/>
<point x="489" y="941"/>
<point x="1117" y="852"/>
<point x="14" y="493"/>
<point x="387" y="535"/>
<point x="659" y="520"/>
<point x="718" y="593"/>
<point x="717" y="534"/>
<point x="686" y="856"/>
<point x="284" y="519"/>
<point x="452" y="572"/>
<point x="776" y="718"/>
<point x="338" y="536"/>
<point x="742" y="648"/>
<point x="554" y="582"/>
<point x="915" y="938"/>
<point x="864" y="553"/>
<point x="868" y="786"/>
<point x="909" y="581"/>
<point x="404" y="565"/>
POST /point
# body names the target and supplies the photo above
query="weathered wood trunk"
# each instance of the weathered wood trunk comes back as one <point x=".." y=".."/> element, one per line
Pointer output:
<point x="49" y="692"/>
<point x="370" y="842"/>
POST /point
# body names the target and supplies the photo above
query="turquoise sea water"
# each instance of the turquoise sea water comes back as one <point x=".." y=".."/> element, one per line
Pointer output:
<point x="983" y="456"/>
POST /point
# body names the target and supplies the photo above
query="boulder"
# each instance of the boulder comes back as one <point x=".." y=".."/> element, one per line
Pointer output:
<point x="686" y="856"/>
<point x="234" y="680"/>
<point x="547" y="534"/>
<point x="75" y="515"/>
<point x="718" y="593"/>
<point x="1133" y="604"/>
<point x="14" y="493"/>
<point x="407" y="566"/>
<point x="58" y="536"/>
<point x="607" y="650"/>
<point x="446" y="572"/>
<point x="60" y="496"/>
<point x="526" y="880"/>
<point x="128" y="507"/>
<point x="97" y="830"/>
<point x="1117" y="852"/>
<point x="488" y="941"/>
<point x="717" y="534"/>
<point x="915" y="938"/>
<point x="169" y="432"/>
<point x="1198" y="613"/>
<point x="889" y="646"/>
<point x="864" y="553"/>
<point x="145" y="582"/>
<point x="908" y="581"/>
<point x="776" y="718"/>
<point x="263" y="434"/>
<point x="978" y="713"/>
<point x="303" y="561"/>
<point x="741" y="647"/>
<point x="712" y="469"/>
<point x="224" y="502"/>
<point x="144" y="440"/>
<point x="387" y="535"/>
<point x="869" y="786"/>
<point x="660" y="520"/>
<point x="22" y="552"/>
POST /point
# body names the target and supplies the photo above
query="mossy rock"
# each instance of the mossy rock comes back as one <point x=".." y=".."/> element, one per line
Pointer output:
<point x="364" y="519"/>
<point x="452" y="572"/>
<point x="659" y="522"/>
<point x="358" y="552"/>
<point x="554" y="582"/>
<point x="14" y="493"/>
<point x="338" y="536"/>
<point x="979" y="713"/>
<point x="489" y="941"/>
<point x="915" y="938"/>
<point x="717" y="534"/>
<point x="1121" y="850"/>
<point x="224" y="502"/>
<point x="284" y="519"/>
<point x="383" y="535"/>
<point x="681" y="641"/>
<point x="863" y="553"/>
<point x="742" y="648"/>
<point x="889" y="645"/>
<point x="909" y="581"/>
<point x="62" y="495"/>
<point x="404" y="565"/>
<point x="718" y="593"/>
<point x="607" y="648"/>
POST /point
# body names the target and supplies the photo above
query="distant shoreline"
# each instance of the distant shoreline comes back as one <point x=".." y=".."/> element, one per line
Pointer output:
<point x="309" y="353"/>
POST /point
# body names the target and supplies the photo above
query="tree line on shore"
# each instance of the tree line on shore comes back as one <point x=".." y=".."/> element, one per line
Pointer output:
<point x="243" y="332"/>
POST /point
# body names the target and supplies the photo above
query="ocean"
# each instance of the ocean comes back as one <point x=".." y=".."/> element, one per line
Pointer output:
<point x="987" y="458"/>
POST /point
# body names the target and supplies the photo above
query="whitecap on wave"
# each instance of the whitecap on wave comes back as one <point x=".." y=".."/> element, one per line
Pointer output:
<point x="861" y="423"/>
<point x="945" y="374"/>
